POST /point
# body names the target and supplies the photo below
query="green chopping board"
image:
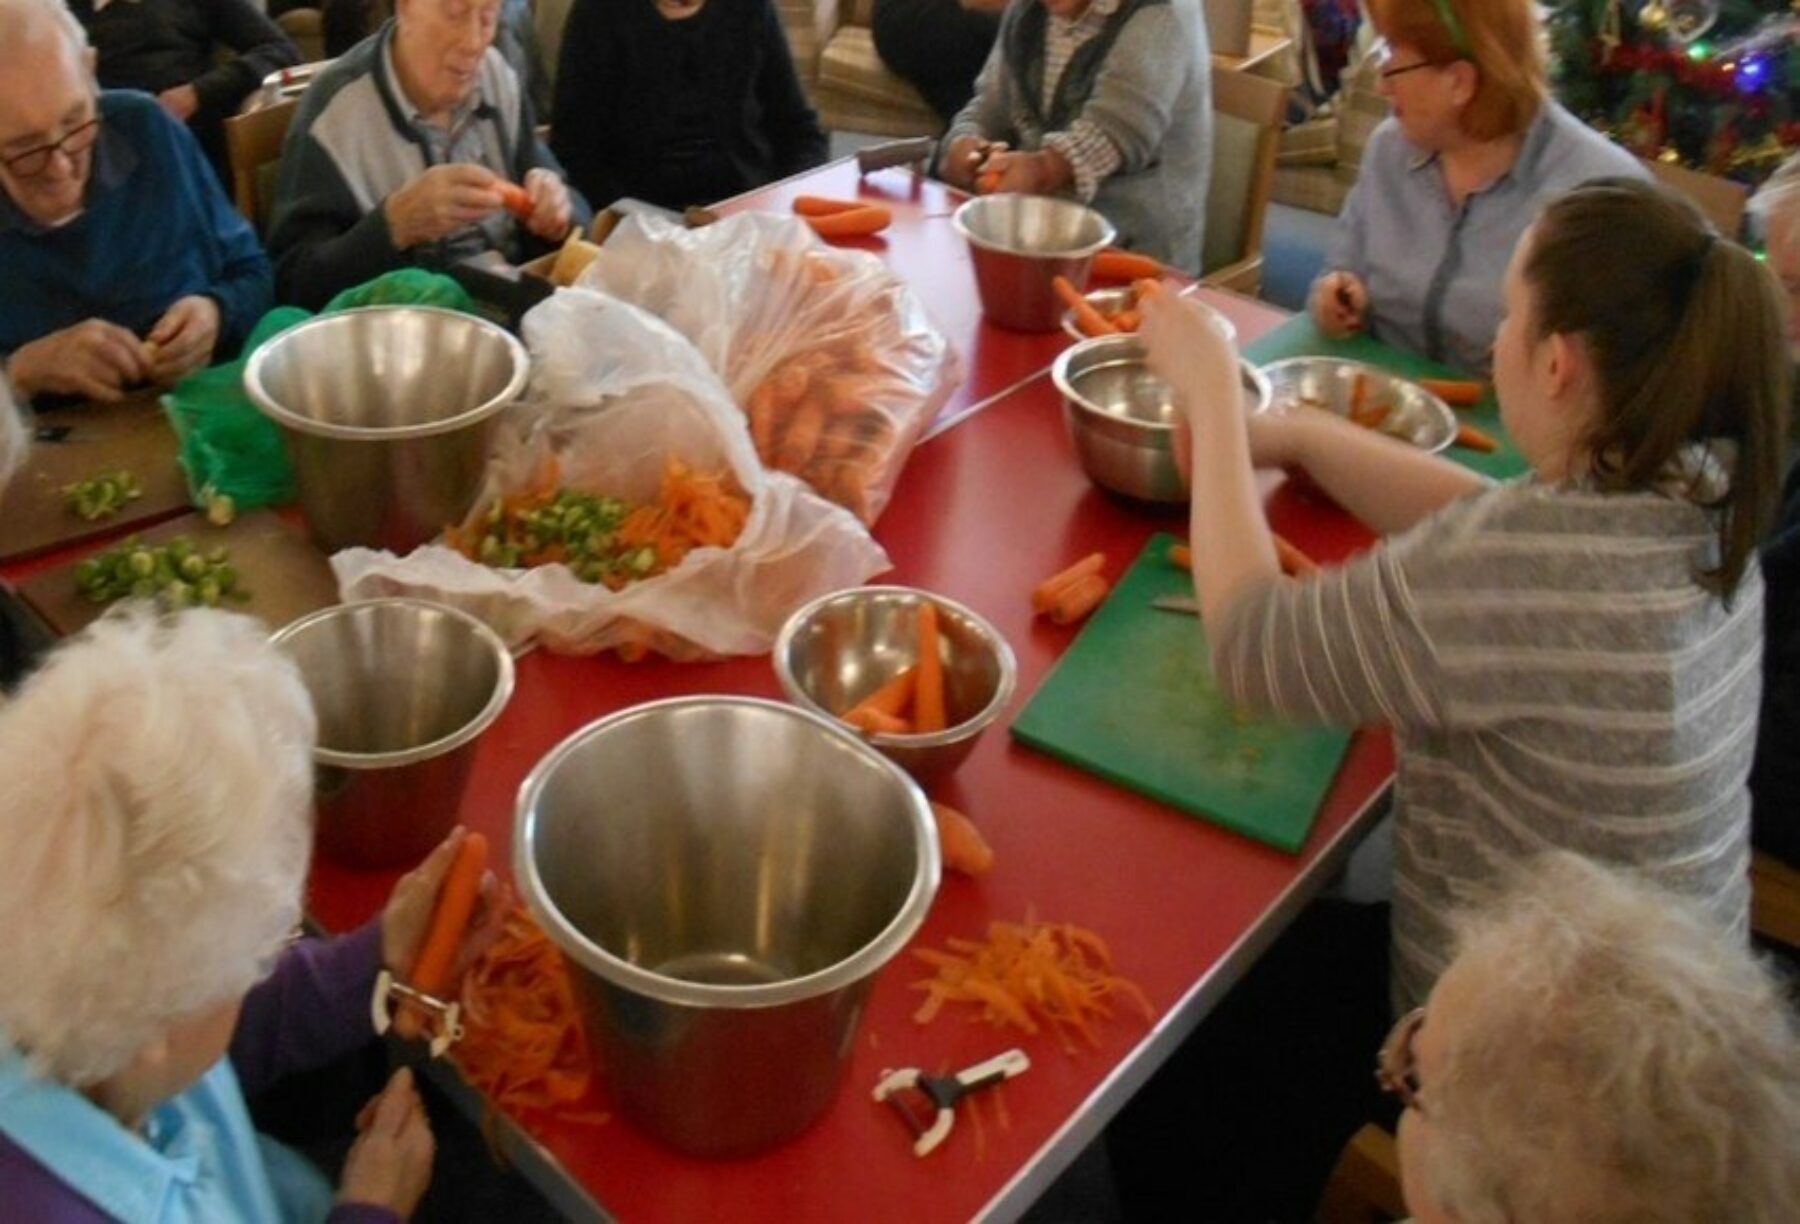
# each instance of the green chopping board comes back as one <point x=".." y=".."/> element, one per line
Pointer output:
<point x="1133" y="700"/>
<point x="1301" y="337"/>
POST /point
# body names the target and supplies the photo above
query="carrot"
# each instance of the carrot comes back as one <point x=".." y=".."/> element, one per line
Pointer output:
<point x="960" y="842"/>
<point x="823" y="206"/>
<point x="1090" y="321"/>
<point x="1146" y="290"/>
<point x="1293" y="561"/>
<point x="1471" y="438"/>
<point x="928" y="691"/>
<point x="516" y="200"/>
<point x="1127" y="320"/>
<point x="988" y="182"/>
<point x="1112" y="264"/>
<point x="1181" y="556"/>
<point x="1457" y="392"/>
<point x="1079" y="598"/>
<point x="1359" y="393"/>
<point x="1043" y="596"/>
<point x="872" y="721"/>
<point x="892" y="698"/>
<point x="856" y="223"/>
<point x="449" y="921"/>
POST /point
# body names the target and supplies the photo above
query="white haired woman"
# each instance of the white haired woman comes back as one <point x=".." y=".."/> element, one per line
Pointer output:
<point x="157" y="820"/>
<point x="1599" y="1051"/>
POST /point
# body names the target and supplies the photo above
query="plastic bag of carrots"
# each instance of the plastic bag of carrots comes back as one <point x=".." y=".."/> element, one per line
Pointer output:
<point x="624" y="508"/>
<point x="835" y="363"/>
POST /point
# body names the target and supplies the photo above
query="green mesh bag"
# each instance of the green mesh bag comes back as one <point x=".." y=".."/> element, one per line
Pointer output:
<point x="406" y="287"/>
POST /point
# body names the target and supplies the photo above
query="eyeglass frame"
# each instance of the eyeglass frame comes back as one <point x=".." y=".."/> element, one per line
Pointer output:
<point x="1396" y="1067"/>
<point x="89" y="128"/>
<point x="1384" y="51"/>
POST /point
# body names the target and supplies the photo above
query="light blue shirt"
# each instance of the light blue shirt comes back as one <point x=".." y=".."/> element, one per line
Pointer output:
<point x="1435" y="271"/>
<point x="199" y="1161"/>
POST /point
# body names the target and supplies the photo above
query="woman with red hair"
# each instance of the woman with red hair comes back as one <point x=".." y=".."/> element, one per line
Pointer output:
<point x="1450" y="181"/>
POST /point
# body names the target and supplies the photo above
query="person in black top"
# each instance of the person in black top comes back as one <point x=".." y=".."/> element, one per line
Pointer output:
<point x="679" y="102"/>
<point x="169" y="48"/>
<point x="938" y="45"/>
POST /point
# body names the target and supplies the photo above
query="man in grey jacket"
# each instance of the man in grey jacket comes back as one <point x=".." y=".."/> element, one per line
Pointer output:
<point x="1109" y="101"/>
<point x="402" y="153"/>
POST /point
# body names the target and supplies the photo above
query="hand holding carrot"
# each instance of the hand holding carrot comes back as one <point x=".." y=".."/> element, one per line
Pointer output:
<point x="407" y="918"/>
<point x="1340" y="304"/>
<point x="1188" y="348"/>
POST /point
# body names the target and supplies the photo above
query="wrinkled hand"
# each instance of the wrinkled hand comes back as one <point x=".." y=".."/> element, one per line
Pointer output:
<point x="93" y="358"/>
<point x="1186" y="345"/>
<point x="1339" y="304"/>
<point x="549" y="205"/>
<point x="181" y="101"/>
<point x="407" y="914"/>
<point x="439" y="202"/>
<point x="390" y="1163"/>
<point x="1036" y="173"/>
<point x="184" y="338"/>
<point x="966" y="158"/>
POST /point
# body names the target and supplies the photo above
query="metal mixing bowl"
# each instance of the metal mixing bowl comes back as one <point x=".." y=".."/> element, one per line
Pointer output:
<point x="1329" y="383"/>
<point x="1019" y="244"/>
<point x="725" y="876"/>
<point x="402" y="688"/>
<point x="1122" y="417"/>
<point x="388" y="412"/>
<point x="841" y="647"/>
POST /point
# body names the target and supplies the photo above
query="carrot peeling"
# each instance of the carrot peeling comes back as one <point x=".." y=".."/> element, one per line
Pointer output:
<point x="449" y="922"/>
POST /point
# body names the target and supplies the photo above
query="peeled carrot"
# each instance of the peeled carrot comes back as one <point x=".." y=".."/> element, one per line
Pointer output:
<point x="824" y="206"/>
<point x="855" y="223"/>
<point x="516" y="200"/>
<point x="1090" y="321"/>
<point x="1113" y="264"/>
<point x="1078" y="599"/>
<point x="892" y="698"/>
<point x="961" y="843"/>
<point x="1293" y="561"/>
<point x="1044" y="595"/>
<point x="1181" y="556"/>
<point x="988" y="182"/>
<point x="1127" y="320"/>
<point x="1471" y="438"/>
<point x="1457" y="392"/>
<point x="455" y="906"/>
<point x="1146" y="290"/>
<point x="928" y="691"/>
<point x="871" y="721"/>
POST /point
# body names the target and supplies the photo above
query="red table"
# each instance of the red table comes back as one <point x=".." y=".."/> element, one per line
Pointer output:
<point x="984" y="510"/>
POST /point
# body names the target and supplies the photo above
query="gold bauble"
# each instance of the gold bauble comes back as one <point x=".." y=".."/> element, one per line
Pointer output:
<point x="1653" y="17"/>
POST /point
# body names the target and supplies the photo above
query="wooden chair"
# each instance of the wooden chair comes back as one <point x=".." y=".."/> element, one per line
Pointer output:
<point x="253" y="143"/>
<point x="305" y="27"/>
<point x="1722" y="200"/>
<point x="1774" y="900"/>
<point x="1365" y="1183"/>
<point x="1248" y="112"/>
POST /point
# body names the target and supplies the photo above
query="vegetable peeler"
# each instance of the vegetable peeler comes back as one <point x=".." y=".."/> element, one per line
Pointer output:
<point x="944" y="1091"/>
<point x="389" y="990"/>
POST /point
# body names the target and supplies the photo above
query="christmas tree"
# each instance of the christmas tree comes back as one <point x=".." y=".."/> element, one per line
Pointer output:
<point x="1709" y="84"/>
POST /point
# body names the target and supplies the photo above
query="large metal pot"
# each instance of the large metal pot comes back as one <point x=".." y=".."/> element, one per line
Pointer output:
<point x="388" y="413"/>
<point x="403" y="688"/>
<point x="1020" y="244"/>
<point x="725" y="876"/>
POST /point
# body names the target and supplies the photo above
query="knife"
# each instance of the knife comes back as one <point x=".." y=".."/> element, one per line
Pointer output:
<point x="1183" y="604"/>
<point x="894" y="153"/>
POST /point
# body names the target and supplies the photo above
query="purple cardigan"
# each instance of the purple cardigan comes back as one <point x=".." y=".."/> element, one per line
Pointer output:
<point x="312" y="1010"/>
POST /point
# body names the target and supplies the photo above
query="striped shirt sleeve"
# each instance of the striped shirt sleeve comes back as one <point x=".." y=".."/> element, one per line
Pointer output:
<point x="1091" y="155"/>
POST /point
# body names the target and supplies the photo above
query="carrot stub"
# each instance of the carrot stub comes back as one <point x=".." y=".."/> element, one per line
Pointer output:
<point x="1457" y="392"/>
<point x="1089" y="320"/>
<point x="853" y="223"/>
<point x="516" y="200"/>
<point x="1471" y="438"/>
<point x="455" y="906"/>
<point x="1113" y="264"/>
<point x="1044" y="595"/>
<point x="1078" y="599"/>
<point x="824" y="206"/>
<point x="960" y="842"/>
<point x="1181" y="556"/>
<point x="928" y="695"/>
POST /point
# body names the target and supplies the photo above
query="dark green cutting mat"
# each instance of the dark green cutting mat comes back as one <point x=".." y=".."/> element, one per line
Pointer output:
<point x="1133" y="700"/>
<point x="1301" y="337"/>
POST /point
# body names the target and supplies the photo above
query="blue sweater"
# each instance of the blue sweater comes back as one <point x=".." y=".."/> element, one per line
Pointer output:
<point x="156" y="228"/>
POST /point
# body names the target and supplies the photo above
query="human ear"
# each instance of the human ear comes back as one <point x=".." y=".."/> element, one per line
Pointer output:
<point x="1564" y="364"/>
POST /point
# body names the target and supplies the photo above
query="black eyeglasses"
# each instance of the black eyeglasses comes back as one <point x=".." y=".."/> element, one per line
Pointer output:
<point x="1396" y="1070"/>
<point x="1384" y="54"/>
<point x="74" y="142"/>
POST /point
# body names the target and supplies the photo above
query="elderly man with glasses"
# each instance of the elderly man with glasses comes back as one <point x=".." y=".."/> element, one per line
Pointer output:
<point x="122" y="261"/>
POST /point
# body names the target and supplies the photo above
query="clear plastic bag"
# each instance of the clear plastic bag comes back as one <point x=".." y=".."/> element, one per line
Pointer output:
<point x="614" y="395"/>
<point x="835" y="363"/>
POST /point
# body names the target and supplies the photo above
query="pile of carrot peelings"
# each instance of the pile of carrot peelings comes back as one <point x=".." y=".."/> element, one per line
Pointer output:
<point x="1031" y="976"/>
<point x="693" y="510"/>
<point x="523" y="1045"/>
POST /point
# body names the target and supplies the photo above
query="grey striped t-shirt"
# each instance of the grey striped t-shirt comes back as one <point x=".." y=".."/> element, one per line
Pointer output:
<point x="1555" y="678"/>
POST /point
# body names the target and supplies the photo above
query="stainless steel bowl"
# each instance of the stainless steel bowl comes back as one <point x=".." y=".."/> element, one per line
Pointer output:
<point x="1019" y="244"/>
<point x="1109" y="301"/>
<point x="1122" y="417"/>
<point x="403" y="688"/>
<point x="841" y="647"/>
<point x="388" y="412"/>
<point x="725" y="876"/>
<point x="1329" y="383"/>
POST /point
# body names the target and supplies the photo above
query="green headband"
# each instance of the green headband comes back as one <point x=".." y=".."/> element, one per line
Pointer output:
<point x="1458" y="38"/>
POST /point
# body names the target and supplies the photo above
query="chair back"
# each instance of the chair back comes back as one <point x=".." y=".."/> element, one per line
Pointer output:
<point x="253" y="143"/>
<point x="1248" y="112"/>
<point x="305" y="26"/>
<point x="1364" y="1187"/>
<point x="1722" y="200"/>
